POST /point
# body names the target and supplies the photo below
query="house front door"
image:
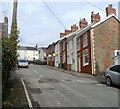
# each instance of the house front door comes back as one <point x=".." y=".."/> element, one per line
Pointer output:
<point x="78" y="63"/>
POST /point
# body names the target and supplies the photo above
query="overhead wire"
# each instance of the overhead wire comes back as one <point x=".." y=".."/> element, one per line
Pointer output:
<point x="94" y="5"/>
<point x="54" y="14"/>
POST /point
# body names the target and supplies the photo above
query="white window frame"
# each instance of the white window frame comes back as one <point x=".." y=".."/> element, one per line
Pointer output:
<point x="64" y="58"/>
<point x="72" y="43"/>
<point x="85" y="40"/>
<point x="72" y="58"/>
<point x="68" y="45"/>
<point x="78" y="44"/>
<point x="85" y="53"/>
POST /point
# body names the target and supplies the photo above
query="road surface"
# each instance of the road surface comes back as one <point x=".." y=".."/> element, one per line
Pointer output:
<point x="53" y="88"/>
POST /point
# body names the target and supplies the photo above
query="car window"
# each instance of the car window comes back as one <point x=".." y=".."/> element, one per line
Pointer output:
<point x="22" y="61"/>
<point x="115" y="68"/>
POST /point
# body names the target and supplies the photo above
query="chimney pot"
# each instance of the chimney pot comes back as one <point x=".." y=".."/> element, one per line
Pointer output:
<point x="110" y="10"/>
<point x="92" y="12"/>
<point x="83" y="23"/>
<point x="67" y="32"/>
<point x="110" y="5"/>
<point x="62" y="35"/>
<point x="5" y="20"/>
<point x="74" y="28"/>
<point x="95" y="17"/>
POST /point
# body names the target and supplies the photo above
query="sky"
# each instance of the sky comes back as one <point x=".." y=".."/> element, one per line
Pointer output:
<point x="37" y="25"/>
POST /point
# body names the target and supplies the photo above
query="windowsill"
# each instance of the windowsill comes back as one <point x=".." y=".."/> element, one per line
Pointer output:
<point x="86" y="64"/>
<point x="85" y="46"/>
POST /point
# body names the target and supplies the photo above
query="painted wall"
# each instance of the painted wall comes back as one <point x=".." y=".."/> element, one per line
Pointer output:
<point x="28" y="54"/>
<point x="71" y="53"/>
<point x="57" y="58"/>
<point x="42" y="55"/>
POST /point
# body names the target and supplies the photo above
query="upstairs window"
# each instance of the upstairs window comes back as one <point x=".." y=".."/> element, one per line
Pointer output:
<point x="72" y="58"/>
<point x="78" y="44"/>
<point x="71" y="44"/>
<point x="85" y="58"/>
<point x="85" y="40"/>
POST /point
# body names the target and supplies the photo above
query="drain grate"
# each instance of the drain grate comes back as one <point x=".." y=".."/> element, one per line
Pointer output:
<point x="33" y="90"/>
<point x="68" y="80"/>
<point x="48" y="88"/>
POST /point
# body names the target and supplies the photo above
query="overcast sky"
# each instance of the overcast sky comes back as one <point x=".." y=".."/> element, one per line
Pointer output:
<point x="38" y="26"/>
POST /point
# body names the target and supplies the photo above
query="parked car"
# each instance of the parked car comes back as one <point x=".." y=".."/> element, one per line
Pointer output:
<point x="113" y="75"/>
<point x="22" y="63"/>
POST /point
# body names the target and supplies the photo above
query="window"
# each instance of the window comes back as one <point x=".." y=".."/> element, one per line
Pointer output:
<point x="63" y="46"/>
<point x="72" y="58"/>
<point x="115" y="68"/>
<point x="85" y="41"/>
<point x="34" y="53"/>
<point x="68" y="45"/>
<point x="85" y="58"/>
<point x="78" y="44"/>
<point x="64" y="58"/>
<point x="72" y="44"/>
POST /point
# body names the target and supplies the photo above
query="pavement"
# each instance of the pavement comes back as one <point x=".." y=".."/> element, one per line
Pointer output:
<point x="14" y="96"/>
<point x="99" y="78"/>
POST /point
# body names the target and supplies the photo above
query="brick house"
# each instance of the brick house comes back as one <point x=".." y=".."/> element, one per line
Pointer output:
<point x="63" y="53"/>
<point x="63" y="49"/>
<point x="4" y="28"/>
<point x="50" y="52"/>
<point x="97" y="42"/>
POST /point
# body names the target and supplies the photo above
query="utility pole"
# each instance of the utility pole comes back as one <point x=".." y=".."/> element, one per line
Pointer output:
<point x="14" y="17"/>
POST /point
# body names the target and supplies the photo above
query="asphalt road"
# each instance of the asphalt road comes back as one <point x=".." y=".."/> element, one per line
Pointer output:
<point x="52" y="88"/>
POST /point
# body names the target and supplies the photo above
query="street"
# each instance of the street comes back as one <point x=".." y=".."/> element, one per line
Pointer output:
<point x="52" y="88"/>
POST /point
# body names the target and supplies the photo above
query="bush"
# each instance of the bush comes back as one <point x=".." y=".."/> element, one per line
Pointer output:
<point x="9" y="54"/>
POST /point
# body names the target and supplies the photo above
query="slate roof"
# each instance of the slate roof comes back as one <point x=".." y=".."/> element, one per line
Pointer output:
<point x="27" y="48"/>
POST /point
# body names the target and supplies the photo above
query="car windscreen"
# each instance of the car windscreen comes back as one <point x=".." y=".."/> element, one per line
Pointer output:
<point x="22" y="61"/>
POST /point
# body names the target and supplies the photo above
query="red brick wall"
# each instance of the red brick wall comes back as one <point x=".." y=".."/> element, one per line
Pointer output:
<point x="106" y="41"/>
<point x="50" y="51"/>
<point x="63" y="50"/>
<point x="87" y="68"/>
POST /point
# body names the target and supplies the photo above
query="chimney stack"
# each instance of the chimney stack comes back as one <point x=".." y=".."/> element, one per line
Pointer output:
<point x="110" y="10"/>
<point x="67" y="32"/>
<point x="95" y="17"/>
<point x="83" y="23"/>
<point x="5" y="20"/>
<point x="62" y="35"/>
<point x="74" y="28"/>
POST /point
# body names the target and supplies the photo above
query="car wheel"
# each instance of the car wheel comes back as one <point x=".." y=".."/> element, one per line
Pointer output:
<point x="108" y="81"/>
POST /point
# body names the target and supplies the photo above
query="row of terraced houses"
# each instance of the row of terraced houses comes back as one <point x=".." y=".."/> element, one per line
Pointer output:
<point x="89" y="48"/>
